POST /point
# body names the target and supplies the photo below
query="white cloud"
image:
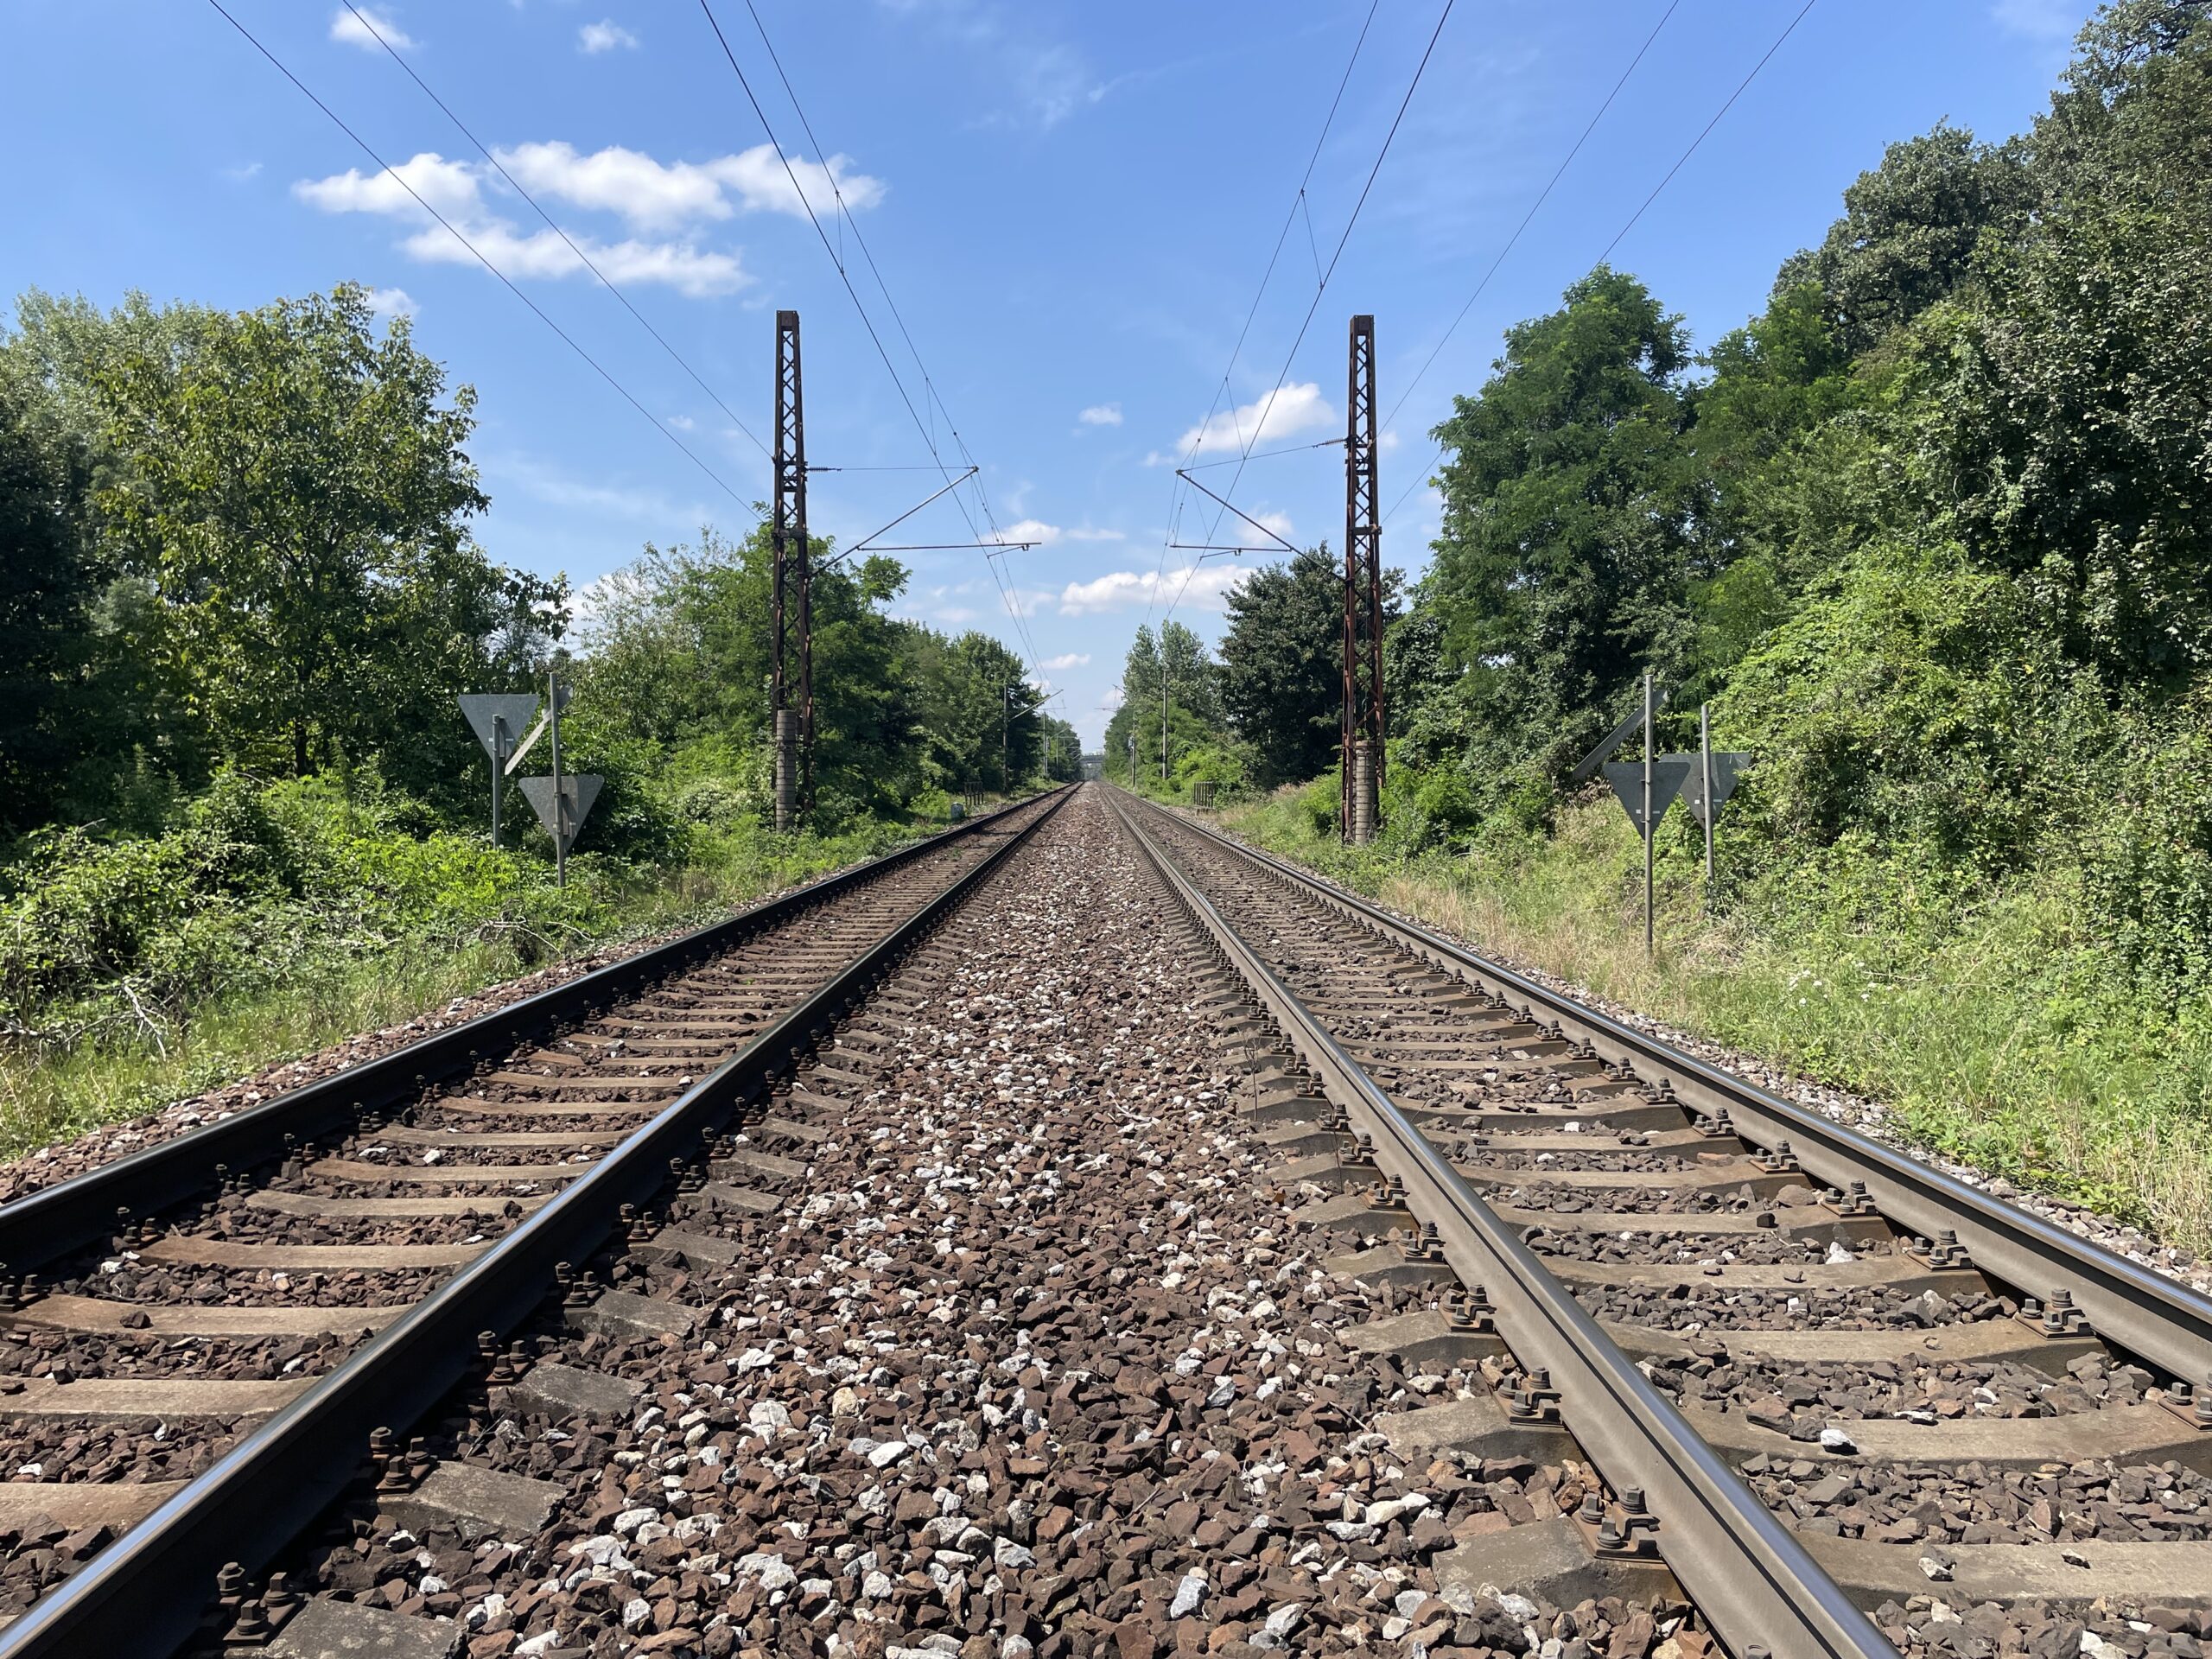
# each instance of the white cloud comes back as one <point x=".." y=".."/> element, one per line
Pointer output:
<point x="1278" y="414"/>
<point x="1069" y="659"/>
<point x="243" y="172"/>
<point x="1102" y="415"/>
<point x="360" y="26"/>
<point x="692" y="272"/>
<point x="2038" y="20"/>
<point x="449" y="186"/>
<point x="625" y="181"/>
<point x="392" y="302"/>
<point x="1088" y="534"/>
<point x="604" y="36"/>
<point x="657" y="196"/>
<point x="1027" y="530"/>
<point x="681" y="423"/>
<point x="1201" y="588"/>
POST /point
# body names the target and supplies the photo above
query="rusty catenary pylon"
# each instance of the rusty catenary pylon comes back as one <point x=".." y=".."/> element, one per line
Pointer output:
<point x="1363" y="724"/>
<point x="790" y="589"/>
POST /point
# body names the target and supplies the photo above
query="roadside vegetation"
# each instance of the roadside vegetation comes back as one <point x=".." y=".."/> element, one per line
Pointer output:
<point x="1932" y="534"/>
<point x="241" y="816"/>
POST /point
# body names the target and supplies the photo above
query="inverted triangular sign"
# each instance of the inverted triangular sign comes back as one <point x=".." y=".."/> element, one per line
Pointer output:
<point x="1668" y="772"/>
<point x="1728" y="765"/>
<point x="486" y="709"/>
<point x="578" y="790"/>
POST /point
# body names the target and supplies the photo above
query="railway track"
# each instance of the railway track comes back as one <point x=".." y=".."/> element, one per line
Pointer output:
<point x="1009" y="1349"/>
<point x="1848" y="1403"/>
<point x="203" y="1338"/>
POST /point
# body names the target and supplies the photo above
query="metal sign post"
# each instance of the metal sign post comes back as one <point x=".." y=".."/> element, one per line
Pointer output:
<point x="561" y="819"/>
<point x="1645" y="788"/>
<point x="563" y="801"/>
<point x="1705" y="777"/>
<point x="496" y="717"/>
<point x="1712" y="783"/>
<point x="1650" y="744"/>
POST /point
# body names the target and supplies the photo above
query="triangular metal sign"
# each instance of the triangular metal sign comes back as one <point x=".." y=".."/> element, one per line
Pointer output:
<point x="1668" y="772"/>
<point x="1588" y="765"/>
<point x="1728" y="767"/>
<point x="578" y="790"/>
<point x="484" y="708"/>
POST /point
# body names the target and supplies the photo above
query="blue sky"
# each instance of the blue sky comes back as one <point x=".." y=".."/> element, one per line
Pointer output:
<point x="1071" y="206"/>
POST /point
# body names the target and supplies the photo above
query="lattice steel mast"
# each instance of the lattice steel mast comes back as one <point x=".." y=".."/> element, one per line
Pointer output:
<point x="790" y="589"/>
<point x="1363" y="728"/>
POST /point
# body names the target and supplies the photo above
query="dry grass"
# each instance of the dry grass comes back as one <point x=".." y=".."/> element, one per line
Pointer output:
<point x="1994" y="1033"/>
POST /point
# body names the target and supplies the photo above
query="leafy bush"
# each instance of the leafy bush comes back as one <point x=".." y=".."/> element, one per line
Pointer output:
<point x="254" y="882"/>
<point x="714" y="803"/>
<point x="1318" y="802"/>
<point x="1218" y="764"/>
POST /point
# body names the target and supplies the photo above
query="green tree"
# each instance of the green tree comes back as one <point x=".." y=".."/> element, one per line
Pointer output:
<point x="1063" y="760"/>
<point x="1175" y="663"/>
<point x="1571" y="503"/>
<point x="48" y="581"/>
<point x="1910" y="229"/>
<point x="1283" y="663"/>
<point x="681" y="646"/>
<point x="2066" y="419"/>
<point x="298" y="494"/>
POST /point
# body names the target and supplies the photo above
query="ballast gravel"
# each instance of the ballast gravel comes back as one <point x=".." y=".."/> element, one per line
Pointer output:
<point x="1030" y="1362"/>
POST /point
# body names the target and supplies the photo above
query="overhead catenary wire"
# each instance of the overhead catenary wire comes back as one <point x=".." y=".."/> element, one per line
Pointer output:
<point x="1343" y="241"/>
<point x="836" y="260"/>
<point x="606" y="282"/>
<point x="1265" y="454"/>
<point x="567" y="339"/>
<point x="1252" y="311"/>
<point x="1529" y="218"/>
<point x="1421" y="478"/>
<point x="932" y="397"/>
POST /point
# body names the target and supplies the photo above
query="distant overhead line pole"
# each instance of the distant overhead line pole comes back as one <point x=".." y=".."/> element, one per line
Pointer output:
<point x="1363" y="728"/>
<point x="790" y="588"/>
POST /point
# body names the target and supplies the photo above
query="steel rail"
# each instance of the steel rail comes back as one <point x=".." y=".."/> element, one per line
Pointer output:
<point x="1747" y="1573"/>
<point x="2125" y="1303"/>
<point x="44" y="1225"/>
<point x="143" y="1598"/>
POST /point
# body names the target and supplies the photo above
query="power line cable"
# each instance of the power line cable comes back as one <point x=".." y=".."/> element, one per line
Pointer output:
<point x="1252" y="311"/>
<point x="1421" y="478"/>
<point x="566" y="339"/>
<point x="606" y="282"/>
<point x="932" y="399"/>
<point x="1534" y="206"/>
<point x="867" y="322"/>
<point x="1411" y="86"/>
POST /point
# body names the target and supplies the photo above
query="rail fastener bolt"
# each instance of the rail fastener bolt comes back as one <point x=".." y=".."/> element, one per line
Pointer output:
<point x="2055" y="1318"/>
<point x="1427" y="1247"/>
<point x="1390" y="1195"/>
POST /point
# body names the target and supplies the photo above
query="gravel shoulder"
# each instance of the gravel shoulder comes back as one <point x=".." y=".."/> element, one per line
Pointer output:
<point x="1868" y="1116"/>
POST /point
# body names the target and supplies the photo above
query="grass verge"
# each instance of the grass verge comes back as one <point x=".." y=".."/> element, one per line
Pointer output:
<point x="1998" y="1031"/>
<point x="53" y="1091"/>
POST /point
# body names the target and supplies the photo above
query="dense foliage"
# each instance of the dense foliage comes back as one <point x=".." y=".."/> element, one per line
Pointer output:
<point x="1929" y="533"/>
<point x="1932" y="536"/>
